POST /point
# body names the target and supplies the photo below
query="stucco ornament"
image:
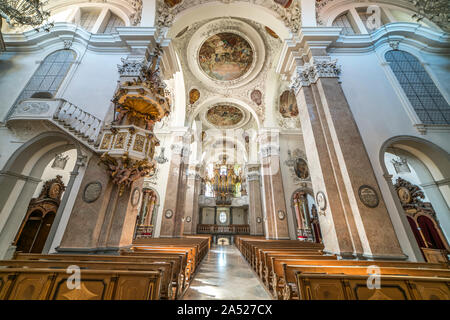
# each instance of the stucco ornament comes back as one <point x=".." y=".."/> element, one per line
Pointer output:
<point x="291" y="16"/>
<point x="135" y="17"/>
<point x="309" y="73"/>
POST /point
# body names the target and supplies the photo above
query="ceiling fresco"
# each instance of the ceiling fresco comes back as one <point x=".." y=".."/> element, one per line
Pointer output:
<point x="225" y="56"/>
<point x="224" y="115"/>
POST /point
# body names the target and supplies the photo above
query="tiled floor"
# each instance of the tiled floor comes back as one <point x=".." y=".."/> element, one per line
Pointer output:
<point x="225" y="275"/>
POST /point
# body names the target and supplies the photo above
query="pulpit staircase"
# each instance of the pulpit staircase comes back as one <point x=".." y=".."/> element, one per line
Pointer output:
<point x="69" y="118"/>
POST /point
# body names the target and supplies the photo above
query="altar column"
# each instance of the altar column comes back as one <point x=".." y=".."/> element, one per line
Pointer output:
<point x="191" y="204"/>
<point x="354" y="219"/>
<point x="255" y="214"/>
<point x="275" y="205"/>
<point x="104" y="214"/>
<point x="173" y="213"/>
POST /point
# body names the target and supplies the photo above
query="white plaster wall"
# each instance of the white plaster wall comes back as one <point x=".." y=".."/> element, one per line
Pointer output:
<point x="16" y="70"/>
<point x="289" y="142"/>
<point x="51" y="173"/>
<point x="239" y="216"/>
<point x="93" y="83"/>
<point x="68" y="208"/>
<point x="161" y="184"/>
<point x="208" y="215"/>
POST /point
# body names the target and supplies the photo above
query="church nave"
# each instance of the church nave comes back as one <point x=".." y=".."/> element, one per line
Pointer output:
<point x="225" y="275"/>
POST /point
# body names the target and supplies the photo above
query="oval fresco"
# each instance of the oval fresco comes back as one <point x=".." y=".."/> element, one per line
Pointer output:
<point x="224" y="115"/>
<point x="225" y="56"/>
<point x="288" y="105"/>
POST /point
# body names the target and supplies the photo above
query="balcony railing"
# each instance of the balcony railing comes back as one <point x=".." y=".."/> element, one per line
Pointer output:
<point x="218" y="229"/>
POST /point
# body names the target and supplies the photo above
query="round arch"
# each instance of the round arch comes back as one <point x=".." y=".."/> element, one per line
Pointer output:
<point x="251" y="11"/>
<point x="21" y="175"/>
<point x="217" y="100"/>
<point x="437" y="163"/>
<point x="436" y="159"/>
<point x="336" y="8"/>
<point x="121" y="8"/>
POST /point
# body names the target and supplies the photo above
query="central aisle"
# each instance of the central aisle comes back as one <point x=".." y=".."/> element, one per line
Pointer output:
<point x="225" y="275"/>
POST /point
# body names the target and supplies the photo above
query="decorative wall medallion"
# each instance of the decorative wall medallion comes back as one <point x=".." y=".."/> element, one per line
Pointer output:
<point x="106" y="141"/>
<point x="139" y="143"/>
<point x="168" y="214"/>
<point x="188" y="219"/>
<point x="321" y="200"/>
<point x="281" y="214"/>
<point x="225" y="56"/>
<point x="258" y="220"/>
<point x="92" y="191"/>
<point x="368" y="196"/>
<point x="301" y="169"/>
<point x="411" y="196"/>
<point x="256" y="97"/>
<point x="404" y="195"/>
<point x="288" y="104"/>
<point x="135" y="196"/>
<point x="194" y="95"/>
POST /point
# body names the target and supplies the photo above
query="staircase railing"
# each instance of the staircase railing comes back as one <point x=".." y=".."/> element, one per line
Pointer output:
<point x="67" y="116"/>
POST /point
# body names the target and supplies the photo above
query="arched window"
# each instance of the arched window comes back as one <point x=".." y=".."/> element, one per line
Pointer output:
<point x="344" y="22"/>
<point x="113" y="22"/>
<point x="88" y="18"/>
<point x="427" y="101"/>
<point x="47" y="79"/>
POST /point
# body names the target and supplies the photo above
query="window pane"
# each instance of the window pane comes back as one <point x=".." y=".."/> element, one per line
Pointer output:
<point x="343" y="22"/>
<point x="424" y="96"/>
<point x="49" y="75"/>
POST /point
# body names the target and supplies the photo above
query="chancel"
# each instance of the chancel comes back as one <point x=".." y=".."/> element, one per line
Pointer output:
<point x="224" y="150"/>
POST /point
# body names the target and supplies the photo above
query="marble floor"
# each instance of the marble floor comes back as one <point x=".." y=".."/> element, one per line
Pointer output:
<point x="225" y="275"/>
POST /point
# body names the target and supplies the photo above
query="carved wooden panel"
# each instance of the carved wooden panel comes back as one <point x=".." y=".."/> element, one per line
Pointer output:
<point x="29" y="286"/>
<point x="325" y="289"/>
<point x="390" y="290"/>
<point x="432" y="290"/>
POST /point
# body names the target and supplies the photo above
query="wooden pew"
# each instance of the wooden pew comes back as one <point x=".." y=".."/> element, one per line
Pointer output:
<point x="281" y="263"/>
<point x="262" y="260"/>
<point x="51" y="284"/>
<point x="173" y="260"/>
<point x="273" y="270"/>
<point x="165" y="268"/>
<point x="287" y="281"/>
<point x="354" y="287"/>
<point x="176" y="259"/>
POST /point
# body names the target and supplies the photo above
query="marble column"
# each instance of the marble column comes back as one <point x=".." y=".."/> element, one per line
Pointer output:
<point x="173" y="225"/>
<point x="103" y="217"/>
<point x="339" y="164"/>
<point x="255" y="214"/>
<point x="191" y="203"/>
<point x="275" y="205"/>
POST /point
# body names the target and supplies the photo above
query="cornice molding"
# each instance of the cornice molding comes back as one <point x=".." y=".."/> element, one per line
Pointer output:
<point x="125" y="40"/>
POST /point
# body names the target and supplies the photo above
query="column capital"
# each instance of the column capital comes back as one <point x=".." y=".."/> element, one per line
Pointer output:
<point x="317" y="67"/>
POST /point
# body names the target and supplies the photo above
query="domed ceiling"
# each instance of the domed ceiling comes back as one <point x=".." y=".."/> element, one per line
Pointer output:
<point x="224" y="115"/>
<point x="225" y="56"/>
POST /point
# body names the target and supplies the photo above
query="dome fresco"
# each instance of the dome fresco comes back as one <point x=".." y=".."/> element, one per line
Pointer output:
<point x="225" y="56"/>
<point x="224" y="115"/>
